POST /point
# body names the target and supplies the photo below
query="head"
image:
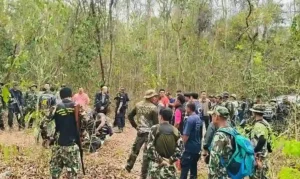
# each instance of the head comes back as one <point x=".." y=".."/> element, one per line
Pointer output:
<point x="165" y="115"/>
<point x="180" y="100"/>
<point x="258" y="111"/>
<point x="213" y="99"/>
<point x="162" y="93"/>
<point x="63" y="86"/>
<point x="152" y="96"/>
<point x="16" y="86"/>
<point x="187" y="96"/>
<point x="190" y="108"/>
<point x="122" y="90"/>
<point x="104" y="89"/>
<point x="169" y="95"/>
<point x="219" y="116"/>
<point x="47" y="86"/>
<point x="225" y="96"/>
<point x="178" y="92"/>
<point x="33" y="87"/>
<point x="194" y="96"/>
<point x="233" y="97"/>
<point x="219" y="99"/>
<point x="203" y="95"/>
<point x="258" y="99"/>
<point x="65" y="93"/>
<point x="80" y="90"/>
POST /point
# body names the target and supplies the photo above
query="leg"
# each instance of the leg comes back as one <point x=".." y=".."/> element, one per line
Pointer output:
<point x="21" y="121"/>
<point x="206" y="120"/>
<point x="185" y="163"/>
<point x="123" y="121"/>
<point x="56" y="164"/>
<point x="72" y="161"/>
<point x="10" y="117"/>
<point x="194" y="162"/>
<point x="135" y="150"/>
<point x="145" y="164"/>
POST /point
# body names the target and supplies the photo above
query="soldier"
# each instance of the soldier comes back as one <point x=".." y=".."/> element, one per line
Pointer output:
<point x="2" y="105"/>
<point x="15" y="107"/>
<point x="163" y="148"/>
<point x="66" y="151"/>
<point x="147" y="116"/>
<point x="229" y="105"/>
<point x="260" y="137"/>
<point x="221" y="144"/>
<point x="30" y="100"/>
<point x="283" y="109"/>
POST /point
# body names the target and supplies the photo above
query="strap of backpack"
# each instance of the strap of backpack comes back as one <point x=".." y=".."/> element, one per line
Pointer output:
<point x="267" y="126"/>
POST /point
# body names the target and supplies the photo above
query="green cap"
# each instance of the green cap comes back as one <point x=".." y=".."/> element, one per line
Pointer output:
<point x="220" y="111"/>
<point x="259" y="108"/>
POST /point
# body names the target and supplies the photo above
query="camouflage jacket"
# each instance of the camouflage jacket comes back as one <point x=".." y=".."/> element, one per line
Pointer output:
<point x="146" y="114"/>
<point x="30" y="99"/>
<point x="221" y="149"/>
<point x="260" y="129"/>
<point x="155" y="170"/>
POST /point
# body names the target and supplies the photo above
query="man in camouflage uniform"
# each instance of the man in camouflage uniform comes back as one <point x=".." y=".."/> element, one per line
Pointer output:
<point x="2" y="105"/>
<point x="30" y="99"/>
<point x="147" y="116"/>
<point x="221" y="147"/>
<point x="260" y="139"/>
<point x="229" y="105"/>
<point x="164" y="148"/>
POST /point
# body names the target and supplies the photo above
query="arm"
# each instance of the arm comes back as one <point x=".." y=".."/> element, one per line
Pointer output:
<point x="209" y="135"/>
<point x="155" y="116"/>
<point x="21" y="99"/>
<point x="260" y="144"/>
<point x="152" y="153"/>
<point x="187" y="130"/>
<point x="102" y="119"/>
<point x="178" y="150"/>
<point x="131" y="118"/>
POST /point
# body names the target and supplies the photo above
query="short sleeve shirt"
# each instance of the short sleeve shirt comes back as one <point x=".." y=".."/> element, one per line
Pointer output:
<point x="192" y="128"/>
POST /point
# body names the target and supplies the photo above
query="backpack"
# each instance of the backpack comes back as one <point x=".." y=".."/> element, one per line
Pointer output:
<point x="242" y="161"/>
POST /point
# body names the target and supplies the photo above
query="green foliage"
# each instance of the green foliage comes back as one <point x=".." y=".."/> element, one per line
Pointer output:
<point x="288" y="173"/>
<point x="5" y="94"/>
<point x="291" y="148"/>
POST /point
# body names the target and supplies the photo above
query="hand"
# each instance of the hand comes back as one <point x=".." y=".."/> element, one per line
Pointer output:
<point x="118" y="112"/>
<point x="102" y="108"/>
<point x="165" y="162"/>
<point x="259" y="163"/>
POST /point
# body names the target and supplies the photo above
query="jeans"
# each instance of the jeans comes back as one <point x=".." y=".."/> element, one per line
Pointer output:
<point x="189" y="164"/>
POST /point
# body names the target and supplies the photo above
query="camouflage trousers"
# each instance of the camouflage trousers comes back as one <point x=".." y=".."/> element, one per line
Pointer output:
<point x="261" y="173"/>
<point x="140" y="140"/>
<point x="65" y="156"/>
<point x="164" y="172"/>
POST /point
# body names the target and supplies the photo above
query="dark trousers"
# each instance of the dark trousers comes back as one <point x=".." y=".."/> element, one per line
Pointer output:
<point x="121" y="121"/>
<point x="206" y="119"/>
<point x="140" y="140"/>
<point x="189" y="164"/>
<point x="11" y="113"/>
<point x="1" y="119"/>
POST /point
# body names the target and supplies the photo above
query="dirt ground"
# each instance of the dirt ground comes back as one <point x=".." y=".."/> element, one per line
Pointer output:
<point x="22" y="157"/>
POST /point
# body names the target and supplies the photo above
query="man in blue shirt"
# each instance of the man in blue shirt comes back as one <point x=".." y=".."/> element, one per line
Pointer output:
<point x="192" y="143"/>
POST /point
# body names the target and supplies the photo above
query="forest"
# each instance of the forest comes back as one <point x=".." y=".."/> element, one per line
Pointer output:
<point x="247" y="47"/>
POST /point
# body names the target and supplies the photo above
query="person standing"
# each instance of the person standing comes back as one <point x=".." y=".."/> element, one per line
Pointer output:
<point x="179" y="113"/>
<point x="102" y="101"/>
<point x="205" y="104"/>
<point x="81" y="98"/>
<point x="164" y="100"/>
<point x="192" y="143"/>
<point x="229" y="105"/>
<point x="66" y="151"/>
<point x="2" y="105"/>
<point x="31" y="100"/>
<point x="15" y="107"/>
<point x="163" y="147"/>
<point x="260" y="136"/>
<point x="146" y="112"/>
<point x="221" y="147"/>
<point x="121" y="105"/>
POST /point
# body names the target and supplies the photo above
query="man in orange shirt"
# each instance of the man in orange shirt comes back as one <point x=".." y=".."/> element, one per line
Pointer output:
<point x="164" y="100"/>
<point x="81" y="98"/>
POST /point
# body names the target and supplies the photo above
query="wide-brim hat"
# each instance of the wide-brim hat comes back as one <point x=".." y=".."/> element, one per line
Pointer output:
<point x="233" y="95"/>
<point x="150" y="93"/>
<point x="225" y="94"/>
<point x="258" y="108"/>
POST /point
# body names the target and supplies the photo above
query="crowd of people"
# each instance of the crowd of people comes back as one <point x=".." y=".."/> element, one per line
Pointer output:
<point x="175" y="133"/>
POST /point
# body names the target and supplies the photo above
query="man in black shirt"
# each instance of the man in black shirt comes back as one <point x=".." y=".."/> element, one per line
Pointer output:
<point x="121" y="105"/>
<point x="66" y="151"/>
<point x="102" y="101"/>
